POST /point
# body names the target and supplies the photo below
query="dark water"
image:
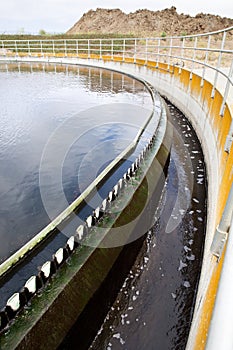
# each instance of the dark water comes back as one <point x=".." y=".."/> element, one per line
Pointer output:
<point x="153" y="309"/>
<point x="58" y="126"/>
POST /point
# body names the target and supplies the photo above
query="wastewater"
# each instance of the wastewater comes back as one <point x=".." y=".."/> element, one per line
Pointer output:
<point x="153" y="309"/>
<point x="58" y="124"/>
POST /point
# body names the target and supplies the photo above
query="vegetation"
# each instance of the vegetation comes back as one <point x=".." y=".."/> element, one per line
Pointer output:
<point x="44" y="35"/>
<point x="42" y="32"/>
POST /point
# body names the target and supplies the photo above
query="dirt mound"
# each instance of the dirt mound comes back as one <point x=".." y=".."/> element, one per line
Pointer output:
<point x="145" y="22"/>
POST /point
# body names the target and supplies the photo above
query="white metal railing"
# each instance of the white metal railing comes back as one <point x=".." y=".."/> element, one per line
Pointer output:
<point x="209" y="55"/>
<point x="198" y="53"/>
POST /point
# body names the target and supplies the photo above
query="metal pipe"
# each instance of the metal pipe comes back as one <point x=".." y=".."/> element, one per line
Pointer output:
<point x="226" y="219"/>
<point x="220" y="334"/>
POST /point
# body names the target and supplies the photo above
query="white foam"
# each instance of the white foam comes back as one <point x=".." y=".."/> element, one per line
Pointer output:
<point x="182" y="265"/>
<point x="187" y="284"/>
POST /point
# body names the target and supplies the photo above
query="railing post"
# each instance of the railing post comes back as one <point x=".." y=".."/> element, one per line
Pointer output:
<point x="100" y="48"/>
<point x="158" y="53"/>
<point x="182" y="53"/>
<point x="227" y="88"/>
<point x="41" y="48"/>
<point x="65" y="47"/>
<point x="112" y="50"/>
<point x="146" y="60"/>
<point x="3" y="48"/>
<point x="206" y="60"/>
<point x="16" y="49"/>
<point x="218" y="64"/>
<point x="169" y="55"/>
<point x="135" y="50"/>
<point x="77" y="49"/>
<point x="53" y="48"/>
<point x="194" y="57"/>
<point x="88" y="49"/>
<point x="29" y="52"/>
<point x="123" y="54"/>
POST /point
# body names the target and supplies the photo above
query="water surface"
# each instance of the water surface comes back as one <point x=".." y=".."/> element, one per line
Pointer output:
<point x="58" y="123"/>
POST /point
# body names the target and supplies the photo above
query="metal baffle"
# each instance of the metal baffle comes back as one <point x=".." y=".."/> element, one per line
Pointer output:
<point x="220" y="334"/>
<point x="221" y="233"/>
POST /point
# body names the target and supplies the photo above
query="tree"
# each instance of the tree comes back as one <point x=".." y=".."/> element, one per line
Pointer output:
<point x="42" y="32"/>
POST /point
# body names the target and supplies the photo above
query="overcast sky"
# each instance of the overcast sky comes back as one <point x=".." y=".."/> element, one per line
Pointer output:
<point x="57" y="16"/>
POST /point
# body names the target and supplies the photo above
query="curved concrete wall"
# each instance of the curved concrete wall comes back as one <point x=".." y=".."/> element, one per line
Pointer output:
<point x="193" y="98"/>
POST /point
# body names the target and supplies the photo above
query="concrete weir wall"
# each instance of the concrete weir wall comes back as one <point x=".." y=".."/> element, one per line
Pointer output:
<point x="193" y="98"/>
<point x="195" y="101"/>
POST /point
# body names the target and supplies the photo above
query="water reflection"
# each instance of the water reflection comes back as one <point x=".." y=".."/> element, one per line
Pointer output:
<point x="36" y="100"/>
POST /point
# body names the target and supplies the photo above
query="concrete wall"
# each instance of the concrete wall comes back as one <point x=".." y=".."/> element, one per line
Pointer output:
<point x="194" y="99"/>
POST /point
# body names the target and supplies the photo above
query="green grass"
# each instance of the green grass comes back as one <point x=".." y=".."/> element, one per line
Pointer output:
<point x="64" y="36"/>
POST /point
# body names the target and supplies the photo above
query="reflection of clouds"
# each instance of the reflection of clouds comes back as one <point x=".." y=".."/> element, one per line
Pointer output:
<point x="37" y="103"/>
<point x="105" y="150"/>
<point x="69" y="132"/>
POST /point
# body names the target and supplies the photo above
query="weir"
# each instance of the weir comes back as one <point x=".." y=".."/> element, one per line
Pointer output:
<point x="179" y="68"/>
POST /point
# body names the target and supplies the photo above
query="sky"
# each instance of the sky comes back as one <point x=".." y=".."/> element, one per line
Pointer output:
<point x="57" y="16"/>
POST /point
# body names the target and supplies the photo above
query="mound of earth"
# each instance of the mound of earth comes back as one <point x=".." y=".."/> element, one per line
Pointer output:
<point x="145" y="22"/>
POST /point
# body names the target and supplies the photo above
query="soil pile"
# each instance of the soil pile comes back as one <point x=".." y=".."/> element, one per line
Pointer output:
<point x="146" y="22"/>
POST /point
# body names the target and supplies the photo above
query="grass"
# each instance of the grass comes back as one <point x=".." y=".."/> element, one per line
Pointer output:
<point x="64" y="36"/>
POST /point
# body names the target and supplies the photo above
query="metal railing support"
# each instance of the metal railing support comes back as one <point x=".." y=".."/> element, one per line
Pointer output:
<point x="112" y="50"/>
<point x="227" y="88"/>
<point x="206" y="61"/>
<point x="135" y="50"/>
<point x="100" y="51"/>
<point x="29" y="52"/>
<point x="194" y="58"/>
<point x="218" y="64"/>
<point x="223" y="228"/>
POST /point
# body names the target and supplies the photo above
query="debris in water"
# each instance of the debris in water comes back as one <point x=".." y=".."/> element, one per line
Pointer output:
<point x="191" y="257"/>
<point x="186" y="284"/>
<point x="118" y="336"/>
<point x="182" y="211"/>
<point x="182" y="265"/>
<point x="200" y="181"/>
<point x="173" y="295"/>
<point x="187" y="249"/>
